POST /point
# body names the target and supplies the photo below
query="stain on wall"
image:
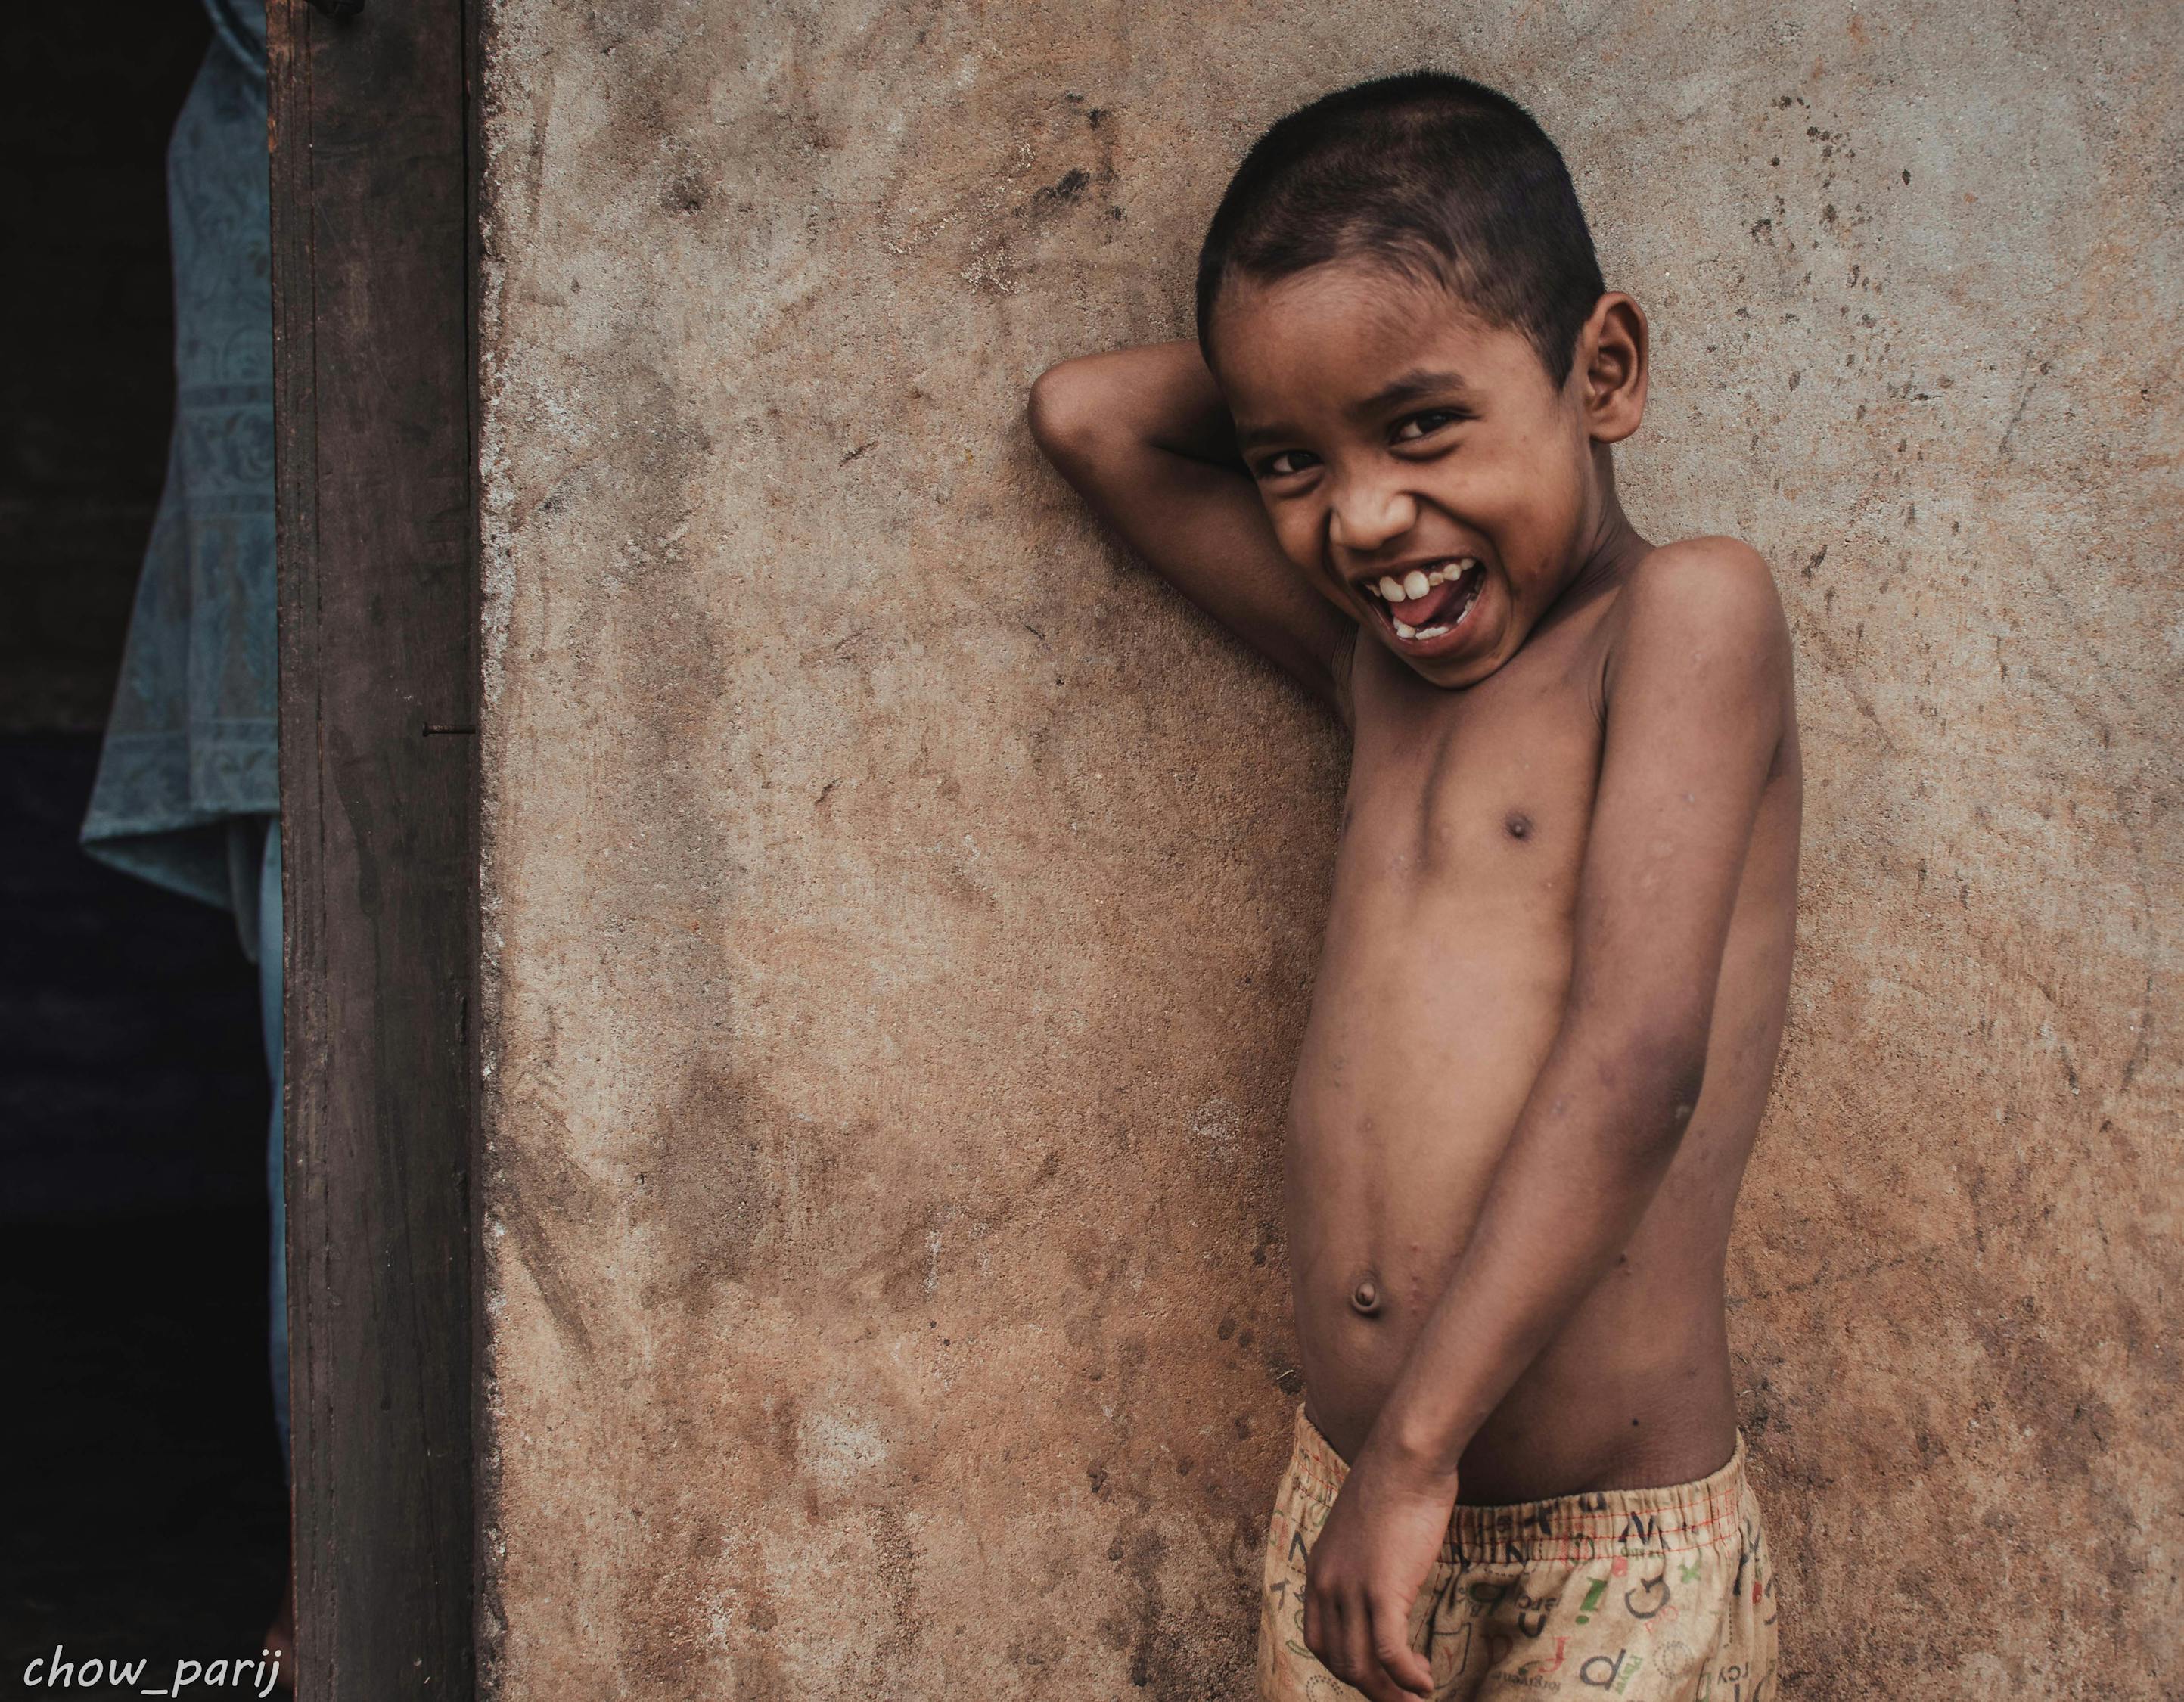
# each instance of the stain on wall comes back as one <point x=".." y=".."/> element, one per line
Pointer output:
<point x="900" y="908"/>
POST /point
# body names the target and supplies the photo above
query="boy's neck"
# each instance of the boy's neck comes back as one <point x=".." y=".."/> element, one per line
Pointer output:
<point x="1613" y="548"/>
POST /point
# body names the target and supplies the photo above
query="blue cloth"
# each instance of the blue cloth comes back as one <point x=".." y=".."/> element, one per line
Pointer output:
<point x="276" y="1181"/>
<point x="192" y="744"/>
<point x="188" y="791"/>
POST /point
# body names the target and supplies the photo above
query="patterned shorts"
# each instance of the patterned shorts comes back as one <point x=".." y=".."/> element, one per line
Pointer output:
<point x="1646" y="1595"/>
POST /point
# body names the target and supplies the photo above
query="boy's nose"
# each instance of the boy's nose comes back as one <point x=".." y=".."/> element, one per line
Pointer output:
<point x="1364" y="516"/>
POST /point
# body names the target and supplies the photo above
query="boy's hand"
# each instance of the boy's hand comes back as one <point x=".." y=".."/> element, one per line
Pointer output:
<point x="1382" y="1536"/>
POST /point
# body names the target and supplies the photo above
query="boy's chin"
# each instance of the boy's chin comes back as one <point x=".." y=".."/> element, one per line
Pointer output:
<point x="1450" y="673"/>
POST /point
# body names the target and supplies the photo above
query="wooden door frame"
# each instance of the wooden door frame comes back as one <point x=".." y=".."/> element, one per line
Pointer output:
<point x="372" y="137"/>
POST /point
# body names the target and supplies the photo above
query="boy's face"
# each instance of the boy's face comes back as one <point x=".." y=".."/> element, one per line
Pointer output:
<point x="1419" y="464"/>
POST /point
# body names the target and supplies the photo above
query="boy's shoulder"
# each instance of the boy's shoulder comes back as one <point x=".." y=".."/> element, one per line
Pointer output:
<point x="1710" y="598"/>
<point x="1702" y="570"/>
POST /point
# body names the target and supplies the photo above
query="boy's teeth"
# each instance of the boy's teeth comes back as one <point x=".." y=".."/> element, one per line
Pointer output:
<point x="1419" y="581"/>
<point x="1415" y="584"/>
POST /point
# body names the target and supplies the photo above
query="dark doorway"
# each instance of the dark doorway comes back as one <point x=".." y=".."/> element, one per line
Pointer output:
<point x="146" y="1514"/>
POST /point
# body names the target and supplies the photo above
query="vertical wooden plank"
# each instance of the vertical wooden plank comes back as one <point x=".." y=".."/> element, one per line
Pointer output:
<point x="371" y="292"/>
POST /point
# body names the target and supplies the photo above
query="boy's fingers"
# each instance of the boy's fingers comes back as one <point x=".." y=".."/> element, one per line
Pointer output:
<point x="1361" y="1666"/>
<point x="1405" y="1666"/>
<point x="1337" y="1633"/>
<point x="1315" y="1626"/>
<point x="1376" y="1683"/>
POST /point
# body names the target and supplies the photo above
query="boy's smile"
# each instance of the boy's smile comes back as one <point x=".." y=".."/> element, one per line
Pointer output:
<point x="1427" y="601"/>
<point x="1418" y="463"/>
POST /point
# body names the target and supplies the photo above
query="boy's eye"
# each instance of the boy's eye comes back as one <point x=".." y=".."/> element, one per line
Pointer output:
<point x="1287" y="462"/>
<point x="1425" y="424"/>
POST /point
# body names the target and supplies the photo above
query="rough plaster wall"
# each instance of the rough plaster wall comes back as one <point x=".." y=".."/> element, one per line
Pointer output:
<point x="900" y="910"/>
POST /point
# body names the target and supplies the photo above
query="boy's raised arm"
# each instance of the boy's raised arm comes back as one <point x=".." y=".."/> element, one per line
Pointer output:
<point x="1144" y="434"/>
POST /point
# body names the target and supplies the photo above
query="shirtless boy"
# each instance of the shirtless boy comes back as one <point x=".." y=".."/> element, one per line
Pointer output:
<point x="1558" y="952"/>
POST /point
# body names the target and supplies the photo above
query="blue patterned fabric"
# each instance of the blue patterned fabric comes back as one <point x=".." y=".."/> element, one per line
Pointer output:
<point x="190" y="767"/>
<point x="276" y="1181"/>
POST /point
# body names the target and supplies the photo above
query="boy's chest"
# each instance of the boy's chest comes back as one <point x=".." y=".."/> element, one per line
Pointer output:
<point x="1489" y="789"/>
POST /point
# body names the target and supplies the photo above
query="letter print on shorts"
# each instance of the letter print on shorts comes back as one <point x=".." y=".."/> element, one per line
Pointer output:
<point x="1654" y="1595"/>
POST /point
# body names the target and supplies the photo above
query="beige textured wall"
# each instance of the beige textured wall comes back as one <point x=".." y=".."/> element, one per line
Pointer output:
<point x="900" y="910"/>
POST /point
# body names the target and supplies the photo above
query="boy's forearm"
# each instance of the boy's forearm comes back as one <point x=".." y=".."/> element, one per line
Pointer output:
<point x="1158" y="394"/>
<point x="1582" y="1166"/>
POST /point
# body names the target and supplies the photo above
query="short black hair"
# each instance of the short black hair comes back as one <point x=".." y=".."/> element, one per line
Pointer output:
<point x="1442" y="179"/>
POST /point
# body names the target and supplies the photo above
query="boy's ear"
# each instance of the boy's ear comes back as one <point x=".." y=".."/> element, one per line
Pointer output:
<point x="1611" y="368"/>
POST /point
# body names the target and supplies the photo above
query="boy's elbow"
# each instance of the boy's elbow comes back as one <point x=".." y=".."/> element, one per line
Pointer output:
<point x="1674" y="1104"/>
<point x="1657" y="1080"/>
<point x="1060" y="415"/>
